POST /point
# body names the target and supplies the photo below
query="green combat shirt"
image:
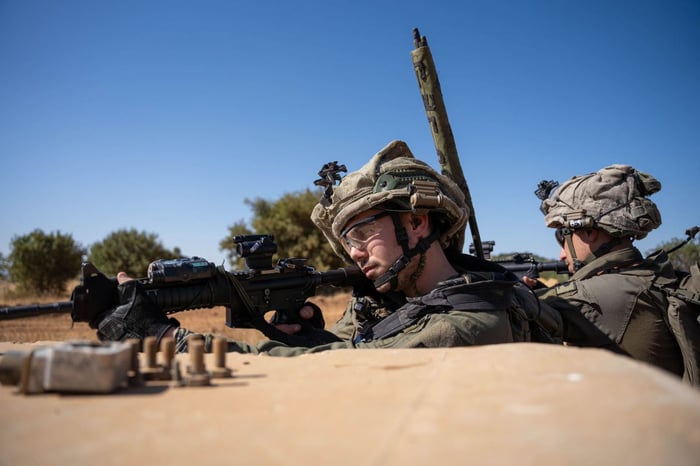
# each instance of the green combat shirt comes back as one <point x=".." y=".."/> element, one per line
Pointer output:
<point x="459" y="312"/>
<point x="610" y="303"/>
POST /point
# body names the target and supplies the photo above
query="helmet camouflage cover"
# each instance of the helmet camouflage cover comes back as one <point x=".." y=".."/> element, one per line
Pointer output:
<point x="393" y="179"/>
<point x="613" y="199"/>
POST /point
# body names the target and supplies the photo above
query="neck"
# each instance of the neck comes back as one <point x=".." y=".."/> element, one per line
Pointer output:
<point x="436" y="269"/>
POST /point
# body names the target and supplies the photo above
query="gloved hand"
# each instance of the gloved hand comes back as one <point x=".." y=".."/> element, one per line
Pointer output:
<point x="136" y="316"/>
<point x="308" y="332"/>
<point x="308" y="316"/>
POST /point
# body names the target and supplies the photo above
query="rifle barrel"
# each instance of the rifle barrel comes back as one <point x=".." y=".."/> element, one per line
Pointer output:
<point x="16" y="312"/>
<point x="552" y="266"/>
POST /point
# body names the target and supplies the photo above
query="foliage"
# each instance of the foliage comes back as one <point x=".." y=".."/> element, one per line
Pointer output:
<point x="289" y="220"/>
<point x="43" y="263"/>
<point x="683" y="257"/>
<point x="129" y="251"/>
<point x="4" y="264"/>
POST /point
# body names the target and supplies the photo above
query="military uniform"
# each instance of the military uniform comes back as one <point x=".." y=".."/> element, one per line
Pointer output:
<point x="610" y="303"/>
<point x="475" y="308"/>
<point x="482" y="304"/>
<point x="439" y="326"/>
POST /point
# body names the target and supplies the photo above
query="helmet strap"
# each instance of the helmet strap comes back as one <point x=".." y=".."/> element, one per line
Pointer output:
<point x="602" y="250"/>
<point x="568" y="234"/>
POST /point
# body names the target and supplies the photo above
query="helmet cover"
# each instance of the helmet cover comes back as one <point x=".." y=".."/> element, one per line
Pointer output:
<point x="613" y="199"/>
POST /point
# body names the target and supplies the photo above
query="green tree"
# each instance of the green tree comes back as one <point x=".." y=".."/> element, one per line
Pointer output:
<point x="683" y="257"/>
<point x="3" y="267"/>
<point x="288" y="219"/>
<point x="43" y="263"/>
<point x="129" y="251"/>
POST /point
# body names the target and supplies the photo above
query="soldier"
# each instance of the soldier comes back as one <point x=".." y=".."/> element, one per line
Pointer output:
<point x="397" y="219"/>
<point x="609" y="301"/>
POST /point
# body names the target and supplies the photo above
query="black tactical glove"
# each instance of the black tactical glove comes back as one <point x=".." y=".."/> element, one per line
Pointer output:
<point x="136" y="316"/>
<point x="312" y="331"/>
<point x="316" y="321"/>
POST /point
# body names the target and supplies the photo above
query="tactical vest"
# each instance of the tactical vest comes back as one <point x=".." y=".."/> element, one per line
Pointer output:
<point x="483" y="286"/>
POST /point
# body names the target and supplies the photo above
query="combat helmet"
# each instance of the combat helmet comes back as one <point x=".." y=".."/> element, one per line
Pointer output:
<point x="393" y="180"/>
<point x="613" y="199"/>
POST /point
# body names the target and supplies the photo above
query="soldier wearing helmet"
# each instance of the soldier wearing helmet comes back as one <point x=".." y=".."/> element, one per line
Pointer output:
<point x="395" y="191"/>
<point x="398" y="220"/>
<point x="609" y="300"/>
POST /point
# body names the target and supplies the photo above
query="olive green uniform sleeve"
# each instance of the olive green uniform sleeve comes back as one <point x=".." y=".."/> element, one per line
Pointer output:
<point x="345" y="327"/>
<point x="453" y="328"/>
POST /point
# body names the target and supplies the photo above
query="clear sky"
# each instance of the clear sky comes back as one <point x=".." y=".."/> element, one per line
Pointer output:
<point x="165" y="115"/>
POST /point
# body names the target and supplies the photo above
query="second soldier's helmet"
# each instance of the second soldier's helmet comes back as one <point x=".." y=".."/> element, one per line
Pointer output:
<point x="613" y="199"/>
<point x="394" y="180"/>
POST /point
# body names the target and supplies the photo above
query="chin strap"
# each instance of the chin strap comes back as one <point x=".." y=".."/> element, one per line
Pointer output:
<point x="392" y="275"/>
<point x="604" y="248"/>
<point x="568" y="234"/>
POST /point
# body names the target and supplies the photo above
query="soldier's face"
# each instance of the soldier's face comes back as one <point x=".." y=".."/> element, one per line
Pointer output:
<point x="378" y="248"/>
<point x="377" y="245"/>
<point x="582" y="242"/>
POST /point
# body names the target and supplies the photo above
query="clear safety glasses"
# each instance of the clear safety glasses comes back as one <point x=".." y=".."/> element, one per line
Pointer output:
<point x="357" y="235"/>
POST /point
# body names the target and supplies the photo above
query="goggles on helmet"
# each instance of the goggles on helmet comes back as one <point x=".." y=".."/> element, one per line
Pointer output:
<point x="358" y="234"/>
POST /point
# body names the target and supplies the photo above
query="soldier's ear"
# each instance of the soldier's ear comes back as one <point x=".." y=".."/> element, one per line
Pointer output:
<point x="592" y="235"/>
<point x="418" y="221"/>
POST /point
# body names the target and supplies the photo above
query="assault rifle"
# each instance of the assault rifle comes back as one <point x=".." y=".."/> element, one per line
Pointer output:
<point x="193" y="283"/>
<point x="523" y="264"/>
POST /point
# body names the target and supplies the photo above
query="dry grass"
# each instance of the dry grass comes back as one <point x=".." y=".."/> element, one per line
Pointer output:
<point x="58" y="327"/>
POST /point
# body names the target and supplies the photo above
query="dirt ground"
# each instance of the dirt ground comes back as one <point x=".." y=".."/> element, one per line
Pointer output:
<point x="58" y="327"/>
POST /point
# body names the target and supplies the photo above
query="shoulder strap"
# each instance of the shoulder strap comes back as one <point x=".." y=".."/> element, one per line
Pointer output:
<point x="458" y="294"/>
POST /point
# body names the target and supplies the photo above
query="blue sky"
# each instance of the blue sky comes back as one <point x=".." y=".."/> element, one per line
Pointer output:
<point x="165" y="115"/>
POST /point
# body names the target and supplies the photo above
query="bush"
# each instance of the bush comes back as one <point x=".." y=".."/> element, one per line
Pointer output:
<point x="3" y="267"/>
<point x="129" y="251"/>
<point x="43" y="263"/>
<point x="288" y="219"/>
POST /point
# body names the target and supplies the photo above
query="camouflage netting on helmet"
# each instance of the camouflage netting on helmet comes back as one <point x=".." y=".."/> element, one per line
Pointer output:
<point x="613" y="199"/>
<point x="393" y="176"/>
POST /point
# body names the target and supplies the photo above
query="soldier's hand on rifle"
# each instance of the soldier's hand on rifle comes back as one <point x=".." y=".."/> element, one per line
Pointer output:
<point x="530" y="282"/>
<point x="136" y="315"/>
<point x="309" y="332"/>
<point x="311" y="315"/>
<point x="122" y="278"/>
<point x="307" y="312"/>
